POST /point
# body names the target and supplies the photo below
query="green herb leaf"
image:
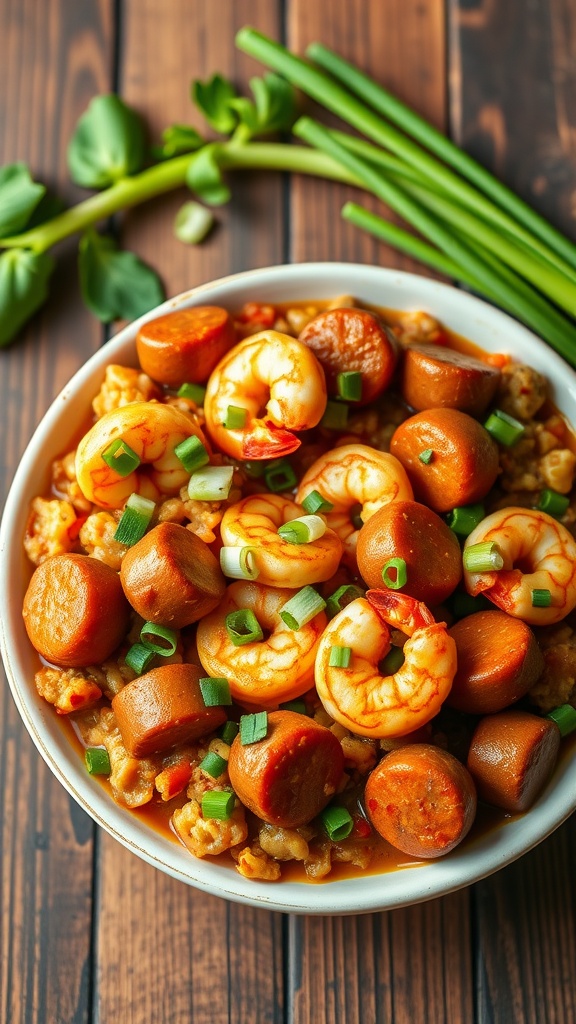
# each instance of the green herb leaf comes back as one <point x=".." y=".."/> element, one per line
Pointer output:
<point x="19" y="197"/>
<point x="24" y="279"/>
<point x="108" y="144"/>
<point x="275" y="103"/>
<point x="213" y="99"/>
<point x="177" y="139"/>
<point x="115" y="284"/>
<point x="49" y="206"/>
<point x="192" y="223"/>
<point x="204" y="177"/>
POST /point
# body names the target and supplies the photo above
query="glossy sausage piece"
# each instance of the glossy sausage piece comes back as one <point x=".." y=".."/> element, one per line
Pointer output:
<point x="288" y="777"/>
<point x="171" y="577"/>
<point x="464" y="461"/>
<point x="408" y="530"/>
<point x="163" y="708"/>
<point x="437" y="377"/>
<point x="421" y="800"/>
<point x="74" y="610"/>
<point x="348" y="340"/>
<point x="511" y="758"/>
<point x="498" y="661"/>
<point x="184" y="346"/>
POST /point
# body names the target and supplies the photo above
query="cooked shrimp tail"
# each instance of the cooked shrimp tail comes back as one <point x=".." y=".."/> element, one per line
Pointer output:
<point x="264" y="440"/>
<point x="400" y="610"/>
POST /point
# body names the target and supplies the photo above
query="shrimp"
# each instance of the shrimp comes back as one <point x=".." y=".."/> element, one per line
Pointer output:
<point x="538" y="553"/>
<point x="353" y="475"/>
<point x="267" y="672"/>
<point x="268" y="371"/>
<point x="359" y="697"/>
<point x="254" y="522"/>
<point x="152" y="431"/>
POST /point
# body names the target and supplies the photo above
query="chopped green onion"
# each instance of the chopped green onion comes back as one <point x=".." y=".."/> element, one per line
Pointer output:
<point x="339" y="657"/>
<point x="303" y="530"/>
<point x="401" y="573"/>
<point x="213" y="483"/>
<point x="215" y="691"/>
<point x="213" y="764"/>
<point x="465" y="518"/>
<point x="139" y="657"/>
<point x="120" y="457"/>
<point x="392" y="662"/>
<point x="192" y="454"/>
<point x="218" y="803"/>
<point x="235" y="417"/>
<point x="426" y="456"/>
<point x="195" y="392"/>
<point x="349" y="385"/>
<point x="464" y="604"/>
<point x="135" y="520"/>
<point x="159" y="639"/>
<point x="229" y="731"/>
<point x="565" y="718"/>
<point x="483" y="557"/>
<point x="541" y="598"/>
<point x="279" y="476"/>
<point x="314" y="502"/>
<point x="97" y="761"/>
<point x="243" y="627"/>
<point x="337" y="823"/>
<point x="238" y="563"/>
<point x="341" y="597"/>
<point x="302" y="608"/>
<point x="504" y="428"/>
<point x="298" y="706"/>
<point x="253" y="727"/>
<point x="254" y="469"/>
<point x="553" y="503"/>
<point x="335" y="416"/>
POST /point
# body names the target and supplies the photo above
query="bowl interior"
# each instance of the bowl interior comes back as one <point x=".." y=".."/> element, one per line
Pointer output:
<point x="482" y="324"/>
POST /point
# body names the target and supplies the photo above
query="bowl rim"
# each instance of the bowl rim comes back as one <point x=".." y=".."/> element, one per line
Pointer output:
<point x="406" y="885"/>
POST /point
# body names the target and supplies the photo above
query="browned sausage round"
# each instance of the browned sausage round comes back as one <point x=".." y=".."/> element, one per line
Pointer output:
<point x="464" y="461"/>
<point x="171" y="576"/>
<point x="185" y="345"/>
<point x="74" y="610"/>
<point x="345" y="340"/>
<point x="163" y="708"/>
<point x="498" y="661"/>
<point x="408" y="530"/>
<point x="511" y="758"/>
<point x="288" y="777"/>
<point x="437" y="377"/>
<point x="421" y="800"/>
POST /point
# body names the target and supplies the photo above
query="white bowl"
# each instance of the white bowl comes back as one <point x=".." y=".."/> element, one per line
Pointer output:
<point x="479" y="322"/>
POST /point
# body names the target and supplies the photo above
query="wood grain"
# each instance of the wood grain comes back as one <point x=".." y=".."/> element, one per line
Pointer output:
<point x="220" y="962"/>
<point x="55" y="57"/>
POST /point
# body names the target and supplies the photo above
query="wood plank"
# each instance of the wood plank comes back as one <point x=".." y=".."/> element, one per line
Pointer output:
<point x="220" y="962"/>
<point x="410" y="965"/>
<point x="512" y="75"/>
<point x="55" y="57"/>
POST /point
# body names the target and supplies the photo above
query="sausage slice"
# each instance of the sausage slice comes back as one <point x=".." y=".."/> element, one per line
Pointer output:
<point x="171" y="577"/>
<point x="185" y="345"/>
<point x="499" y="660"/>
<point x="162" y="709"/>
<point x="74" y="610"/>
<point x="511" y="758"/>
<point x="421" y="800"/>
<point x="288" y="777"/>
<point x="438" y="377"/>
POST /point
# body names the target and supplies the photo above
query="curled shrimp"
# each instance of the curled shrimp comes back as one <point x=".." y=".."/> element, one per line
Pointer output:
<point x="351" y="476"/>
<point x="152" y="431"/>
<point x="268" y="671"/>
<point x="268" y="371"/>
<point x="254" y="521"/>
<point x="538" y="553"/>
<point x="359" y="697"/>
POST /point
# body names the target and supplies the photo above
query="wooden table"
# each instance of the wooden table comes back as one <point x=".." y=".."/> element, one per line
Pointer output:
<point x="88" y="932"/>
